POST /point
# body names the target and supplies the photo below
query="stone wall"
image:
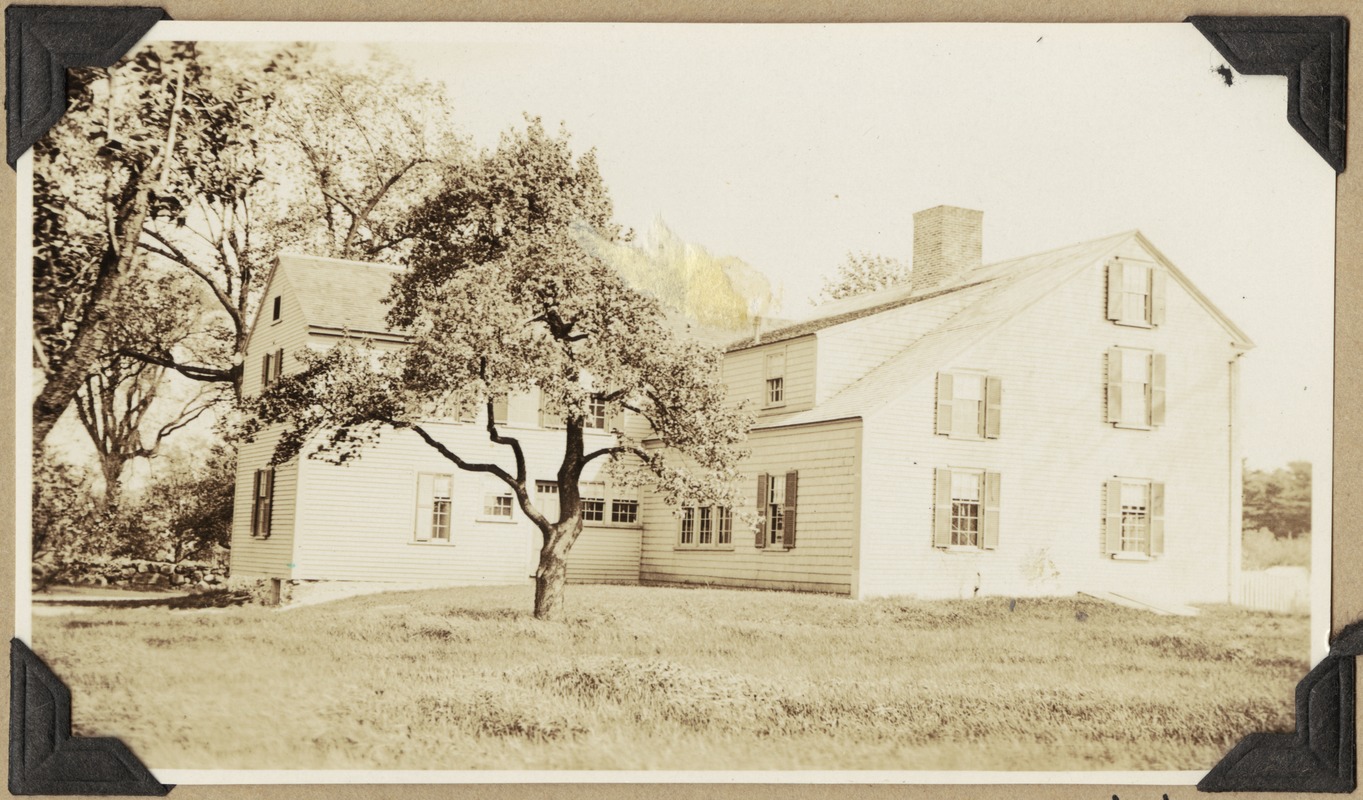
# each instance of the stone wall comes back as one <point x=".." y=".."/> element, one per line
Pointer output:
<point x="135" y="573"/>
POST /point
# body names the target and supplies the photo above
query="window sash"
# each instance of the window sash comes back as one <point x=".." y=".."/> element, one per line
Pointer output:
<point x="688" y="524"/>
<point x="776" y="391"/>
<point x="725" y="524"/>
<point x="497" y="505"/>
<point x="1135" y="504"/>
<point x="596" y="413"/>
<point x="624" y="512"/>
<point x="966" y="508"/>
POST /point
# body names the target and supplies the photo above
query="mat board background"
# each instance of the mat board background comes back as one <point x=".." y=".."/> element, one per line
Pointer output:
<point x="1347" y="589"/>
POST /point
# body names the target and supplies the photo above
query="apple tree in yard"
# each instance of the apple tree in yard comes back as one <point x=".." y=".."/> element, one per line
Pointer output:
<point x="505" y="294"/>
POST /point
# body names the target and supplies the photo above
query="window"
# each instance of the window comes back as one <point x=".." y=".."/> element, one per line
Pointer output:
<point x="546" y="498"/>
<point x="776" y="378"/>
<point x="497" y="505"/>
<point x="596" y="413"/>
<point x="624" y="512"/>
<point x="966" y="509"/>
<point x="266" y="370"/>
<point x="499" y="415"/>
<point x="1135" y="293"/>
<point x="1135" y="388"/>
<point x="969" y="405"/>
<point x="776" y="505"/>
<point x="706" y="526"/>
<point x="262" y="502"/>
<point x="274" y="316"/>
<point x="433" y="508"/>
<point x="1135" y="518"/>
<point x="593" y="502"/>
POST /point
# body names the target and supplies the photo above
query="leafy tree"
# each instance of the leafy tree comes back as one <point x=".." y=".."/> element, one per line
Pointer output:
<point x="863" y="272"/>
<point x="502" y="298"/>
<point x="1280" y="500"/>
<point x="99" y="175"/>
<point x="188" y="506"/>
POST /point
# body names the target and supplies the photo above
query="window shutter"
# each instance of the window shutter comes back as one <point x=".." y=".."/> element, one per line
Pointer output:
<point x="1114" y="290"/>
<point x="267" y="515"/>
<point x="279" y="364"/>
<point x="792" y="503"/>
<point x="425" y="507"/>
<point x="1114" y="384"/>
<point x="944" y="402"/>
<point x="993" y="406"/>
<point x="1158" y="291"/>
<point x="265" y="370"/>
<point x="941" y="517"/>
<point x="1156" y="519"/>
<point x="255" y="505"/>
<point x="762" y="510"/>
<point x="991" y="510"/>
<point x="1112" y="531"/>
<point x="1157" y="392"/>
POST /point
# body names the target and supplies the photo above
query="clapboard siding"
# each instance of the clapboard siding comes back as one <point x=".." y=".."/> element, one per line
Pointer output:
<point x="605" y="554"/>
<point x="252" y="556"/>
<point x="826" y="457"/>
<point x="1054" y="454"/>
<point x="290" y="333"/>
<point x="357" y="521"/>
<point x="744" y="375"/>
<point x="848" y="351"/>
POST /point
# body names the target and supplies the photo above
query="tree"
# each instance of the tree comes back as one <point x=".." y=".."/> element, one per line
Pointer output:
<point x="188" y="507"/>
<point x="863" y="272"/>
<point x="502" y="298"/>
<point x="1280" y="500"/>
<point x="99" y="177"/>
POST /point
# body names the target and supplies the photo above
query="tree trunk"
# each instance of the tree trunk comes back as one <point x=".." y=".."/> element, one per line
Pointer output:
<point x="549" y="582"/>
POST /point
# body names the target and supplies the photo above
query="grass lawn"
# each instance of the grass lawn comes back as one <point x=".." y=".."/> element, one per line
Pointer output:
<point x="660" y="678"/>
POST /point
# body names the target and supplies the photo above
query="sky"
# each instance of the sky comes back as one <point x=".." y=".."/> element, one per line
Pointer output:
<point x="788" y="146"/>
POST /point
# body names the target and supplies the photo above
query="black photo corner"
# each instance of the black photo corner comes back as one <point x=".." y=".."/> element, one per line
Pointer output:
<point x="42" y="42"/>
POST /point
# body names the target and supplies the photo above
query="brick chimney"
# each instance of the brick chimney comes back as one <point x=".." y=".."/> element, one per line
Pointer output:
<point x="946" y="243"/>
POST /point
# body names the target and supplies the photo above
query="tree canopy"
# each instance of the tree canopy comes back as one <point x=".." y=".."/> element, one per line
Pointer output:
<point x="1279" y="500"/>
<point x="501" y="297"/>
<point x="864" y="272"/>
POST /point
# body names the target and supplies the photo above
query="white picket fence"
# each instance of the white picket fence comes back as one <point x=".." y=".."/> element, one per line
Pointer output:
<point x="1286" y="590"/>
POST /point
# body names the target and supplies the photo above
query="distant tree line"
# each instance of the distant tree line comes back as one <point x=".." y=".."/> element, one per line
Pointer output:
<point x="1279" y="500"/>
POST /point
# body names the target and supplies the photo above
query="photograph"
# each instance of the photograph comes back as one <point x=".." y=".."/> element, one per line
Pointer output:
<point x="933" y="401"/>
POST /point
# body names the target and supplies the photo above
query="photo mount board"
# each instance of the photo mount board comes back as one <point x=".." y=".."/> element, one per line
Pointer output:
<point x="42" y="42"/>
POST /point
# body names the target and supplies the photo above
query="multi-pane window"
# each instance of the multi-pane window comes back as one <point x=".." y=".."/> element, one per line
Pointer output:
<point x="546" y="498"/>
<point x="1135" y="501"/>
<point x="596" y="413"/>
<point x="1135" y="518"/>
<point x="1135" y="293"/>
<point x="706" y="526"/>
<point x="1135" y="387"/>
<point x="965" y="508"/>
<point x="688" y="525"/>
<point x="776" y="378"/>
<point x="593" y="502"/>
<point x="776" y="510"/>
<point x="274" y="316"/>
<point x="499" y="410"/>
<point x="969" y="405"/>
<point x="433" y="507"/>
<point x="497" y="505"/>
<point x="624" y="512"/>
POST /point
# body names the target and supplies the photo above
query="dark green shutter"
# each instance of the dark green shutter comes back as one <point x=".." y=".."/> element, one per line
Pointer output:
<point x="1158" y="292"/>
<point x="1114" y="290"/>
<point x="1156" y="519"/>
<point x="1112" y="531"/>
<point x="941" y="517"/>
<point x="993" y="406"/>
<point x="1157" y="390"/>
<point x="992" y="496"/>
<point x="944" y="396"/>
<point x="265" y="371"/>
<point x="1114" y="384"/>
<point x="267" y="515"/>
<point x="255" y="504"/>
<point x="761" y="510"/>
<point x="279" y="364"/>
<point x="792" y="501"/>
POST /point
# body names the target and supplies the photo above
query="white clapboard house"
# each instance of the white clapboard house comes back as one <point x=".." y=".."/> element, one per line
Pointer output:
<point x="1054" y="423"/>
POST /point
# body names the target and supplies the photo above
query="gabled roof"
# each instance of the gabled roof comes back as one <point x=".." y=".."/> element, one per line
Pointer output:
<point x="341" y="294"/>
<point x="992" y="294"/>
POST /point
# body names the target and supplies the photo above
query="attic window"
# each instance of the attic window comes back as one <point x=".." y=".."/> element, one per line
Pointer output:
<point x="274" y="317"/>
<point x="1135" y="293"/>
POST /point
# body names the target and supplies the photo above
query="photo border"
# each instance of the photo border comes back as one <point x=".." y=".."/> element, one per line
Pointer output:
<point x="1346" y="591"/>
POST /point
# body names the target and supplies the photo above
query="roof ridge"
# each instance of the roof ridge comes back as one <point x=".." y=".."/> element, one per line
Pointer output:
<point x="350" y="262"/>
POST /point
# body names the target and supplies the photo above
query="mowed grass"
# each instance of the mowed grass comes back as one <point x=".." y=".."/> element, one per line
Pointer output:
<point x="677" y="679"/>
